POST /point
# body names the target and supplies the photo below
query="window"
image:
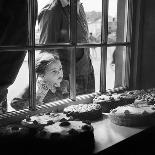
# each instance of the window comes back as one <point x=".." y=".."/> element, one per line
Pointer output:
<point x="110" y="23"/>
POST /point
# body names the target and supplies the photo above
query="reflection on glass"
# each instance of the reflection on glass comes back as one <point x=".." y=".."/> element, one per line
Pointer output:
<point x="15" y="91"/>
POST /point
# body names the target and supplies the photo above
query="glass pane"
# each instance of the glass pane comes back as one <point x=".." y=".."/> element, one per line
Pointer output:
<point x="117" y="67"/>
<point x="85" y="79"/>
<point x="52" y="79"/>
<point x="117" y="20"/>
<point x="112" y="21"/>
<point x="95" y="54"/>
<point x="52" y="26"/>
<point x="15" y="95"/>
<point x="110" y="72"/>
<point x="93" y="11"/>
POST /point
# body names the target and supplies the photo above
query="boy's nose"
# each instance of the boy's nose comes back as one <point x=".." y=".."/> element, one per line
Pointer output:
<point x="61" y="73"/>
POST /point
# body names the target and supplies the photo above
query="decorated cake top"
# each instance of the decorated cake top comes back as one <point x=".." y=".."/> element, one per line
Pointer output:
<point x="107" y="97"/>
<point x="132" y="109"/>
<point x="44" y="119"/>
<point x="82" y="108"/>
<point x="65" y="128"/>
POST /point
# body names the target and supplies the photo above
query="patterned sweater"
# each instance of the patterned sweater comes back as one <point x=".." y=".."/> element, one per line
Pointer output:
<point x="44" y="94"/>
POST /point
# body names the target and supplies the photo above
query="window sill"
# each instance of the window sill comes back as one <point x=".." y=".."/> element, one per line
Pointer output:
<point x="57" y="106"/>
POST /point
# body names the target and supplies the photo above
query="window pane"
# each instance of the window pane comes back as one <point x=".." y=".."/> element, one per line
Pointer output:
<point x="117" y="20"/>
<point x="93" y="11"/>
<point x="52" y="26"/>
<point x="112" y="21"/>
<point x="52" y="79"/>
<point x="117" y="67"/>
<point x="95" y="54"/>
<point x="110" y="72"/>
<point x="15" y="96"/>
<point x="85" y="81"/>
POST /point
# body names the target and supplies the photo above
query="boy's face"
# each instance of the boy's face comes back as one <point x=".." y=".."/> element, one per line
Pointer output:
<point x="54" y="73"/>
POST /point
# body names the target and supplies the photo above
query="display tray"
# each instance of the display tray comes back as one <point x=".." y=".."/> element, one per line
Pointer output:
<point x="108" y="134"/>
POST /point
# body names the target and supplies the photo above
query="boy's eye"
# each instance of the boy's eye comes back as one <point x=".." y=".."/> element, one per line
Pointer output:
<point x="54" y="71"/>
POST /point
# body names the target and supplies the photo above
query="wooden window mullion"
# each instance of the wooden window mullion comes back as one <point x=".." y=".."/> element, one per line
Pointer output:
<point x="104" y="38"/>
<point x="73" y="38"/>
<point x="31" y="54"/>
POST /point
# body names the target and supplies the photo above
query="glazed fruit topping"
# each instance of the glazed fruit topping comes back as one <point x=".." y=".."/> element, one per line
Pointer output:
<point x="126" y="112"/>
<point x="65" y="123"/>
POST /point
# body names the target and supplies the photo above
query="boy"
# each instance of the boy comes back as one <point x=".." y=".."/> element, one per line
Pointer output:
<point x="50" y="85"/>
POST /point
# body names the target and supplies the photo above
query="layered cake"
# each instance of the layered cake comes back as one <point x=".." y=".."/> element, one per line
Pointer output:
<point x="84" y="111"/>
<point x="41" y="120"/>
<point x="69" y="137"/>
<point x="137" y="114"/>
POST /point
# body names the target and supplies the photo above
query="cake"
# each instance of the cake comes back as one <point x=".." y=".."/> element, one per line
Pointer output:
<point x="136" y="114"/>
<point x="149" y="98"/>
<point x="111" y="101"/>
<point x="66" y="137"/>
<point x="69" y="137"/>
<point x="16" y="139"/>
<point x="116" y="90"/>
<point x="41" y="120"/>
<point x="14" y="130"/>
<point x="89" y="112"/>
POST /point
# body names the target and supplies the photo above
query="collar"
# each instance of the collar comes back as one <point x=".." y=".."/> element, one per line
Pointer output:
<point x="41" y="84"/>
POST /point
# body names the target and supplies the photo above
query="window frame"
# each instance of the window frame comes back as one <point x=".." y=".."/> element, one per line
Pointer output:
<point x="32" y="46"/>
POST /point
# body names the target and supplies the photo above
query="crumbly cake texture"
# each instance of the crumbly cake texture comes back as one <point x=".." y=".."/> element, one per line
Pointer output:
<point x="71" y="137"/>
<point x="136" y="114"/>
<point x="89" y="112"/>
<point x="44" y="119"/>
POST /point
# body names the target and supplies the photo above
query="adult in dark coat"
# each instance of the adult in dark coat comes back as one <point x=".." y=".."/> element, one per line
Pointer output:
<point x="54" y="28"/>
<point x="13" y="31"/>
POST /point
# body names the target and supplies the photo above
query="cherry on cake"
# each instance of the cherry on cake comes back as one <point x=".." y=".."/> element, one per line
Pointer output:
<point x="84" y="111"/>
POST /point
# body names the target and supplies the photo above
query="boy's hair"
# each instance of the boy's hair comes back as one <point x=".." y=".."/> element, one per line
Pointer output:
<point x="44" y="59"/>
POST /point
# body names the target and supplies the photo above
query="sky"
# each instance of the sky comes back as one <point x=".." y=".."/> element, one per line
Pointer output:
<point x="89" y="5"/>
